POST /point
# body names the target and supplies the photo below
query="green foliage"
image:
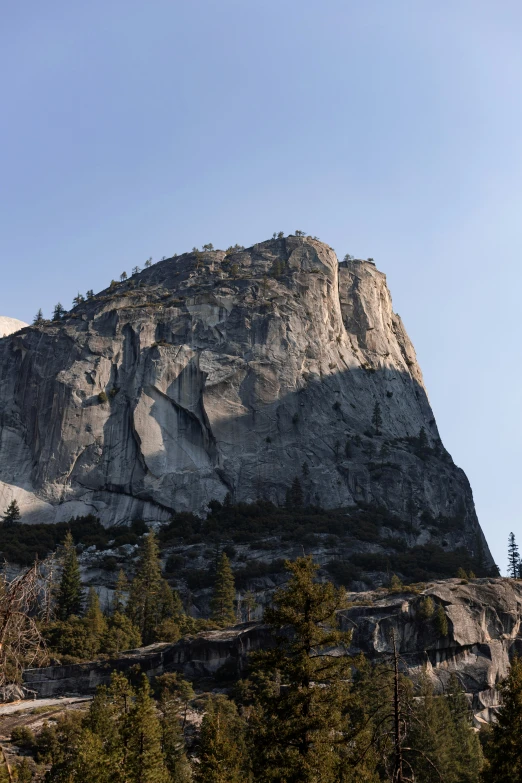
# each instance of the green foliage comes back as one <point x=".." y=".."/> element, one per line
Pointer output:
<point x="396" y="584"/>
<point x="120" y="635"/>
<point x="23" y="543"/>
<point x="12" y="514"/>
<point x="377" y="418"/>
<point x="426" y="608"/>
<point x="513" y="557"/>
<point x="142" y="738"/>
<point x="38" y="317"/>
<point x="504" y="749"/>
<point x="174" y="695"/>
<point x="102" y="398"/>
<point x="151" y="601"/>
<point x="294" y="495"/>
<point x="300" y="689"/>
<point x="224" y="593"/>
<point x="69" y="599"/>
<point x="222" y="751"/>
<point x="441" y="736"/>
<point x="441" y="621"/>
<point x="58" y="312"/>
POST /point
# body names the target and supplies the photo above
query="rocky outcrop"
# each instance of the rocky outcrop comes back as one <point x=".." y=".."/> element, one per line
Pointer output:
<point x="214" y="373"/>
<point x="10" y="325"/>
<point x="483" y="619"/>
<point x="219" y="655"/>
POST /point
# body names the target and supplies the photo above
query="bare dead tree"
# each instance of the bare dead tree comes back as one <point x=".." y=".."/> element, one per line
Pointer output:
<point x="24" y="603"/>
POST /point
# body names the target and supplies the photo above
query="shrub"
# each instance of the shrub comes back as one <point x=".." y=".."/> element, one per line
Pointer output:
<point x="441" y="621"/>
<point x="426" y="608"/>
<point x="102" y="398"/>
<point x="23" y="737"/>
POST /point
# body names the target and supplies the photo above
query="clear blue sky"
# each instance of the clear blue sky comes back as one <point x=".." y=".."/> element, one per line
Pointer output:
<point x="389" y="129"/>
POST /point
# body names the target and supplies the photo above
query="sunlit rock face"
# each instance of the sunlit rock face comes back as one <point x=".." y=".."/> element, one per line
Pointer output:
<point x="483" y="620"/>
<point x="220" y="372"/>
<point x="10" y="325"/>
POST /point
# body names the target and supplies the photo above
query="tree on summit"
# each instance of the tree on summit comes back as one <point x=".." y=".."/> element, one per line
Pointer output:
<point x="513" y="557"/>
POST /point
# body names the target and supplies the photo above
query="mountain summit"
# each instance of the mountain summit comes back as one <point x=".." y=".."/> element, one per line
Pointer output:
<point x="10" y="325"/>
<point x="236" y="372"/>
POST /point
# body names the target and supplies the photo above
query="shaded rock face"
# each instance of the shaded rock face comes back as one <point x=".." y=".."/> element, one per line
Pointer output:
<point x="484" y="632"/>
<point x="212" y="654"/>
<point x="212" y="373"/>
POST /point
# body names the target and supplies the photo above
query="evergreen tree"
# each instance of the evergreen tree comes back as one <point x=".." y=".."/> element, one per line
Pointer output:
<point x="84" y="760"/>
<point x="300" y="689"/>
<point x="38" y="317"/>
<point x="78" y="299"/>
<point x="222" y="603"/>
<point x="513" y="557"/>
<point x="423" y="439"/>
<point x="90" y="294"/>
<point x="468" y="756"/>
<point x="123" y="276"/>
<point x="377" y="418"/>
<point x="121" y="591"/>
<point x="151" y="601"/>
<point x="174" y="696"/>
<point x="141" y="731"/>
<point x="70" y="598"/>
<point x="58" y="312"/>
<point x="95" y="622"/>
<point x="430" y="737"/>
<point x="120" y="635"/>
<point x="504" y="750"/>
<point x="294" y="495"/>
<point x="12" y="514"/>
<point x="222" y="753"/>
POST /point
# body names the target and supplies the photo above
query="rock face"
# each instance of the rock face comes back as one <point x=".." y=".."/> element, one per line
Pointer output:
<point x="10" y="325"/>
<point x="210" y="654"/>
<point x="483" y="620"/>
<point x="220" y="372"/>
<point x="483" y="633"/>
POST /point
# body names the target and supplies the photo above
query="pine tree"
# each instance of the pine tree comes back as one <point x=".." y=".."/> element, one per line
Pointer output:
<point x="38" y="317"/>
<point x="151" y="601"/>
<point x="145" y="760"/>
<point x="300" y="690"/>
<point x="222" y="753"/>
<point x="504" y="750"/>
<point x="513" y="557"/>
<point x="468" y="758"/>
<point x="121" y="591"/>
<point x="222" y="603"/>
<point x="70" y="598"/>
<point x="423" y="439"/>
<point x="120" y="635"/>
<point x="12" y="514"/>
<point x="58" y="312"/>
<point x="95" y="621"/>
<point x="174" y="696"/>
<point x="377" y="418"/>
<point x="294" y="496"/>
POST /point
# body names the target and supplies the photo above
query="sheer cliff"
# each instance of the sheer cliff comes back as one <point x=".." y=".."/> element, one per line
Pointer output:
<point x="228" y="372"/>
